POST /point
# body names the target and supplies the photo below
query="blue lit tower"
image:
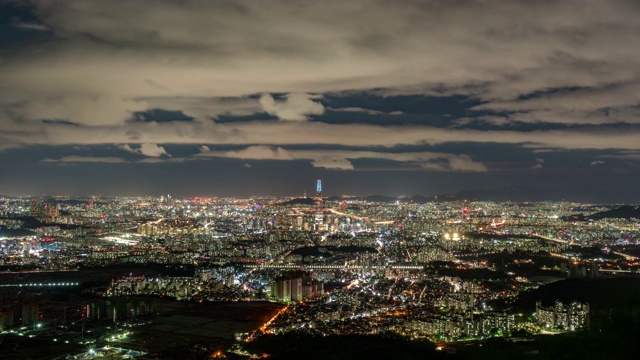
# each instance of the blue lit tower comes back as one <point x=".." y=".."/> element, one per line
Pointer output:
<point x="319" y="203"/>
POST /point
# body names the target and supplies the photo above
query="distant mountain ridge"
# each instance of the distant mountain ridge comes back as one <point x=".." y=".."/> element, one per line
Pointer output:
<point x="512" y="193"/>
<point x="299" y="201"/>
<point x="623" y="212"/>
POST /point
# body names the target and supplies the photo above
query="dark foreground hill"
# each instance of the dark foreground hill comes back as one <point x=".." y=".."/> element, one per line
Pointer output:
<point x="623" y="212"/>
<point x="347" y="347"/>
<point x="614" y="332"/>
<point x="620" y="293"/>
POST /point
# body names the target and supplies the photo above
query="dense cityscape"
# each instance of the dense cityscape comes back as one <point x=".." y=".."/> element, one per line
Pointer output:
<point x="319" y="180"/>
<point x="448" y="272"/>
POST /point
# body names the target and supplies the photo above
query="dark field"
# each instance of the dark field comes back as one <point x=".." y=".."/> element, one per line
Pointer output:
<point x="199" y="327"/>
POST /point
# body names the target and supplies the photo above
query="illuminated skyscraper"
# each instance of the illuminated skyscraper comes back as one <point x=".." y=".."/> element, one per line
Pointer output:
<point x="319" y="203"/>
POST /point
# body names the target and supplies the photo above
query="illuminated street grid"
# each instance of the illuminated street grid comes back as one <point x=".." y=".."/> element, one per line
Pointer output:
<point x="433" y="270"/>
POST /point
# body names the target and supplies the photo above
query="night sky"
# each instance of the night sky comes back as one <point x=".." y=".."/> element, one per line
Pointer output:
<point x="234" y="98"/>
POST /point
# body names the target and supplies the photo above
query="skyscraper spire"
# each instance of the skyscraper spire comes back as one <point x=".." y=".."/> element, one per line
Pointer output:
<point x="319" y="204"/>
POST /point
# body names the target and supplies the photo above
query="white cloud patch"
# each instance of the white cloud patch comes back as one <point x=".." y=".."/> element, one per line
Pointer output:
<point x="128" y="148"/>
<point x="294" y="107"/>
<point x="465" y="163"/>
<point x="332" y="163"/>
<point x="598" y="162"/>
<point x="152" y="150"/>
<point x="146" y="149"/>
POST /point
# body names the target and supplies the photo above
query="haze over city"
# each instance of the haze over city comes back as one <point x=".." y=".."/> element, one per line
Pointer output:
<point x="238" y="98"/>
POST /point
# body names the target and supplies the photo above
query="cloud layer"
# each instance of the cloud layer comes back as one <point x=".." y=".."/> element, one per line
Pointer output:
<point x="340" y="159"/>
<point x="566" y="70"/>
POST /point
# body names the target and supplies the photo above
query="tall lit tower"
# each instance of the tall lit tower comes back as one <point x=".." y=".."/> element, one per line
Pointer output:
<point x="319" y="203"/>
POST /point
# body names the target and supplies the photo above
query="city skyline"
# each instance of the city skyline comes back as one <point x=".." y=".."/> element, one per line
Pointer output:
<point x="216" y="98"/>
<point x="156" y="277"/>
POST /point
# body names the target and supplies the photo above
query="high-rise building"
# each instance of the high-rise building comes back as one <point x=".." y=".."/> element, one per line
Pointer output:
<point x="42" y="209"/>
<point x="282" y="289"/>
<point x="319" y="204"/>
<point x="296" y="286"/>
<point x="572" y="316"/>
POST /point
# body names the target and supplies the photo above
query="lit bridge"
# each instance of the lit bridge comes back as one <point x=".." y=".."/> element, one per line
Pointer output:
<point x="614" y="271"/>
<point x="550" y="239"/>
<point x="41" y="284"/>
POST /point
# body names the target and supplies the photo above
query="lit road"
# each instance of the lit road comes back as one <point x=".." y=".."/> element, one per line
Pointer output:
<point x="335" y="267"/>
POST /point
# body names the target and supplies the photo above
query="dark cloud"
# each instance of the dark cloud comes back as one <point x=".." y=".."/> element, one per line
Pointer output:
<point x="161" y="115"/>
